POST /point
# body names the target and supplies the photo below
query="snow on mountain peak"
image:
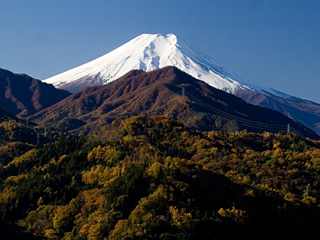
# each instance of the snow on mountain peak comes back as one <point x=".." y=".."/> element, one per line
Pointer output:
<point x="149" y="52"/>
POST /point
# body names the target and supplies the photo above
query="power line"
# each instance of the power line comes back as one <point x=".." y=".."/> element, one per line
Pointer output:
<point x="233" y="117"/>
<point x="239" y="119"/>
<point x="246" y="122"/>
<point x="298" y="133"/>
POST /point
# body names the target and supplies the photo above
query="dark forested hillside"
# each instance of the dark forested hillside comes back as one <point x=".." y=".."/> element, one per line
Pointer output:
<point x="152" y="178"/>
<point x="22" y="95"/>
<point x="18" y="137"/>
<point x="13" y="130"/>
<point x="5" y="116"/>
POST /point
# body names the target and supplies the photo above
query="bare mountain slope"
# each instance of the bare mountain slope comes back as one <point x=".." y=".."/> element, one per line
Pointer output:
<point x="22" y="95"/>
<point x="167" y="92"/>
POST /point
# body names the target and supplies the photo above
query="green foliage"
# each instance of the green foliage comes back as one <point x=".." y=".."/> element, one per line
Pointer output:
<point x="12" y="150"/>
<point x="17" y="131"/>
<point x="151" y="178"/>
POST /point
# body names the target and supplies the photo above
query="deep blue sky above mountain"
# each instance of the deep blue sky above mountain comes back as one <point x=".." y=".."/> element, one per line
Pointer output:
<point x="274" y="42"/>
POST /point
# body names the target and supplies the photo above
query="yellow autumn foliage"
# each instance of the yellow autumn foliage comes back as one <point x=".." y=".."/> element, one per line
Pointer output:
<point x="101" y="175"/>
<point x="233" y="213"/>
<point x="180" y="218"/>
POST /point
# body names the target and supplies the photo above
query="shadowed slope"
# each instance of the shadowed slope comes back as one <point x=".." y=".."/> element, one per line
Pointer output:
<point x="22" y="95"/>
<point x="168" y="92"/>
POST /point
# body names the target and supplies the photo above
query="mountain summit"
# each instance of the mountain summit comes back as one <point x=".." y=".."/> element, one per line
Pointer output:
<point x="148" y="52"/>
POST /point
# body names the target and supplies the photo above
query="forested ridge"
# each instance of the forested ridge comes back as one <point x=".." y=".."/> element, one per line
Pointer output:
<point x="168" y="92"/>
<point x="152" y="178"/>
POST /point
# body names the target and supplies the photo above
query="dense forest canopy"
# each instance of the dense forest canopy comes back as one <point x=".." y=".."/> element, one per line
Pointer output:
<point x="152" y="178"/>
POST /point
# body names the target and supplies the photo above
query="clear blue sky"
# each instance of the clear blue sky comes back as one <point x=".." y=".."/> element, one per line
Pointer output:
<point x="275" y="42"/>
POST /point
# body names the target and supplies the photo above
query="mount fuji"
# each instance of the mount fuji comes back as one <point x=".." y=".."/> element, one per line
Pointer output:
<point x="149" y="52"/>
<point x="153" y="51"/>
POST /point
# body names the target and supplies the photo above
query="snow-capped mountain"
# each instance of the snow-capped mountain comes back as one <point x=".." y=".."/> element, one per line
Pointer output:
<point x="149" y="52"/>
<point x="153" y="51"/>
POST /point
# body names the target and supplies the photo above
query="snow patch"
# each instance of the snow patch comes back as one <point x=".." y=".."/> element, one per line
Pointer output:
<point x="153" y="51"/>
